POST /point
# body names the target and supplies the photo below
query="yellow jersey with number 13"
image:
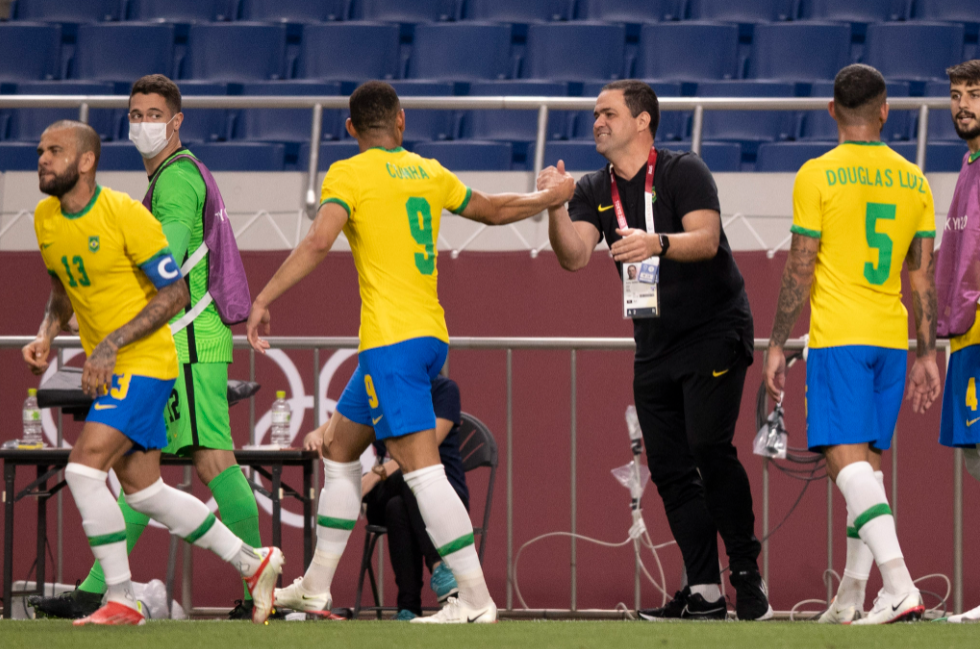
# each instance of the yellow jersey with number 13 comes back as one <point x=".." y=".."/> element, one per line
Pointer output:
<point x="394" y="200"/>
<point x="97" y="254"/>
<point x="865" y="203"/>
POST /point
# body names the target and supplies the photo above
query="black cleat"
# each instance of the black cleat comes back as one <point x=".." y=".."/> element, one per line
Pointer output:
<point x="751" y="596"/>
<point x="686" y="606"/>
<point x="243" y="611"/>
<point x="70" y="605"/>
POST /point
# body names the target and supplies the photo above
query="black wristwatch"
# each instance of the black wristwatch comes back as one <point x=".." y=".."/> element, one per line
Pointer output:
<point x="664" y="245"/>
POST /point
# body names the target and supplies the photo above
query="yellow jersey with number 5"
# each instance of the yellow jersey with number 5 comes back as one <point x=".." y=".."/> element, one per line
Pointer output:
<point x="97" y="254"/>
<point x="394" y="202"/>
<point x="865" y="203"/>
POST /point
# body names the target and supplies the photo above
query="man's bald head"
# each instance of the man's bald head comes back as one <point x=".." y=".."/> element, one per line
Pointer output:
<point x="86" y="139"/>
<point x="68" y="153"/>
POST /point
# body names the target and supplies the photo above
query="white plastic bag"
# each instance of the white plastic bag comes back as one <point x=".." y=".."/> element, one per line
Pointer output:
<point x="771" y="440"/>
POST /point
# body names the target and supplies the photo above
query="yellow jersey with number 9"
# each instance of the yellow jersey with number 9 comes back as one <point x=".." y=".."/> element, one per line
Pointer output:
<point x="394" y="201"/>
<point x="865" y="203"/>
<point x="97" y="254"/>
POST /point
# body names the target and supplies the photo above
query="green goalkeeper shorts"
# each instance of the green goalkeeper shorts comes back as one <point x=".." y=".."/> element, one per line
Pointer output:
<point x="197" y="412"/>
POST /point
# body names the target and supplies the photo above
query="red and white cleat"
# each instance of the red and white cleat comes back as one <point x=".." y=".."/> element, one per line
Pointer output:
<point x="262" y="583"/>
<point x="888" y="609"/>
<point x="113" y="614"/>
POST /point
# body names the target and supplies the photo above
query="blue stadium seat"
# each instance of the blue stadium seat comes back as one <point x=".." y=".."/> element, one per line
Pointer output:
<point x="178" y="11"/>
<point x="913" y="51"/>
<point x="629" y="11"/>
<point x="865" y="11"/>
<point x="123" y="52"/>
<point x="515" y="125"/>
<point x="461" y="52"/>
<point x="721" y="157"/>
<point x="27" y="124"/>
<point x="577" y="155"/>
<point x="568" y="51"/>
<point x="516" y="11"/>
<point x="18" y="156"/>
<point x="120" y="156"/>
<point x="799" y="51"/>
<point x="788" y="156"/>
<point x="940" y="119"/>
<point x="236" y="52"/>
<point x="29" y="51"/>
<point x="945" y="156"/>
<point x="293" y="11"/>
<point x="819" y="125"/>
<point x="286" y="124"/>
<point x="400" y="11"/>
<point x="687" y="52"/>
<point x="242" y="156"/>
<point x="349" y="51"/>
<point x="66" y="11"/>
<point x="966" y="11"/>
<point x="421" y="125"/>
<point x="742" y="11"/>
<point x="330" y="152"/>
<point x="201" y="124"/>
<point x="468" y="155"/>
<point x="673" y="123"/>
<point x="748" y="126"/>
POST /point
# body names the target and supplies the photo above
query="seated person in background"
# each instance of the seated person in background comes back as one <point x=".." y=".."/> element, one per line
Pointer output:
<point x="390" y="503"/>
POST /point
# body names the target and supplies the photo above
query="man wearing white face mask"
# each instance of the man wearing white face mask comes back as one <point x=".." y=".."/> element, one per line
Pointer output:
<point x="186" y="201"/>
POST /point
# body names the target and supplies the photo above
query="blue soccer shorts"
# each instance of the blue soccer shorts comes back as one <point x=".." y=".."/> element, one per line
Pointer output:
<point x="391" y="389"/>
<point x="960" y="424"/>
<point x="853" y="395"/>
<point x="134" y="406"/>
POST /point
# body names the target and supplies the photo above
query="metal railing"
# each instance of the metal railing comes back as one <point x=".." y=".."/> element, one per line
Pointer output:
<point x="543" y="105"/>
<point x="572" y="345"/>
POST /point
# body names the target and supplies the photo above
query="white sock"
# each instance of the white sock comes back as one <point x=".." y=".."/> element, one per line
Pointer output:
<point x="710" y="592"/>
<point x="190" y="519"/>
<point x="851" y="591"/>
<point x="340" y="503"/>
<point x="104" y="526"/>
<point x="449" y="526"/>
<point x="875" y="524"/>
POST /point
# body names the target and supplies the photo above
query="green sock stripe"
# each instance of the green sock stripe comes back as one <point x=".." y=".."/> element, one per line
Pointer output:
<point x="852" y="532"/>
<point x="106" y="539"/>
<point x="202" y="530"/>
<point x="335" y="523"/>
<point x="457" y="545"/>
<point x="881" y="509"/>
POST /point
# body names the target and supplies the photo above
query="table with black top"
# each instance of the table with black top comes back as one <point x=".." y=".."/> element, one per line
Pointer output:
<point x="48" y="462"/>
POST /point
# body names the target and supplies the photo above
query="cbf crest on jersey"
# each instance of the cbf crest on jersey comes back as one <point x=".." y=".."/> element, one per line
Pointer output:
<point x="93" y="244"/>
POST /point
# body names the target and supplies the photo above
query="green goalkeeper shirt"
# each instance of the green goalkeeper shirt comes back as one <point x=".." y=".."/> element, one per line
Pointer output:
<point x="178" y="203"/>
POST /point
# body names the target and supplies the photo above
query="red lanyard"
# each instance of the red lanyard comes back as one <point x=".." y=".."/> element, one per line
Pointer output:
<point x="647" y="191"/>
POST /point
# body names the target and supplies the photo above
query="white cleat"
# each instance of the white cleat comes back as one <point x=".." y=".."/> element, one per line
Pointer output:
<point x="907" y="607"/>
<point x="263" y="582"/>
<point x="840" y="613"/>
<point x="456" y="612"/>
<point x="962" y="618"/>
<point x="295" y="598"/>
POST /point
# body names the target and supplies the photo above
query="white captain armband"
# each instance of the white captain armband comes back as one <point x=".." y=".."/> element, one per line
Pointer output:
<point x="162" y="269"/>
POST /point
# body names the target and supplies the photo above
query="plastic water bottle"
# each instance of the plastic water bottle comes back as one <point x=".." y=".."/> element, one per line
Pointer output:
<point x="281" y="414"/>
<point x="33" y="429"/>
<point x="633" y="425"/>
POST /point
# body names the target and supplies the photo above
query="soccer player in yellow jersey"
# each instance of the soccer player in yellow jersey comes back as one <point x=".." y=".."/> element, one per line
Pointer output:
<point x="110" y="264"/>
<point x="389" y="203"/>
<point x="857" y="212"/>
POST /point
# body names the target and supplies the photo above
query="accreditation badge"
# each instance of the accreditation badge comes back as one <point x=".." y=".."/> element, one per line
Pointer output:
<point x="641" y="284"/>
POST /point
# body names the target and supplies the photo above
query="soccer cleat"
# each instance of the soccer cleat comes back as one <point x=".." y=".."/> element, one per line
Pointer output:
<point x="70" y="605"/>
<point x="405" y="615"/>
<point x="686" y="606"/>
<point x="262" y="583"/>
<point x="456" y="612"/>
<point x="295" y="598"/>
<point x="443" y="583"/>
<point x="114" y="614"/>
<point x="751" y="596"/>
<point x="969" y="616"/>
<point x="907" y="607"/>
<point x="840" y="613"/>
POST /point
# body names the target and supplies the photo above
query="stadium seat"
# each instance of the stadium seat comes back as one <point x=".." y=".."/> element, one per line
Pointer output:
<point x="236" y="52"/>
<point x="788" y="156"/>
<point x="865" y="11"/>
<point x="721" y="157"/>
<point x="577" y="155"/>
<point x="422" y="125"/>
<point x="742" y="11"/>
<point x="120" y="156"/>
<point x="178" y="11"/>
<point x="330" y="152"/>
<point x="201" y="124"/>
<point x="242" y="156"/>
<point x="945" y="156"/>
<point x="516" y="11"/>
<point x="687" y="52"/>
<point x="27" y="124"/>
<point x="461" y="52"/>
<point x="349" y="52"/>
<point x="819" y="125"/>
<point x="29" y="52"/>
<point x="913" y="51"/>
<point x="123" y="52"/>
<point x="673" y="123"/>
<point x="18" y="156"/>
<point x="293" y="11"/>
<point x="66" y="11"/>
<point x="400" y="11"/>
<point x="966" y="11"/>
<point x="629" y="11"/>
<point x="468" y="155"/>
<point x="940" y="119"/>
<point x="748" y="126"/>
<point x="568" y="52"/>
<point x="286" y="124"/>
<point x="515" y="125"/>
<point x="799" y="51"/>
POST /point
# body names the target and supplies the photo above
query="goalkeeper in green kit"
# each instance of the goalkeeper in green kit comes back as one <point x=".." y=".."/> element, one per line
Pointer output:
<point x="197" y="412"/>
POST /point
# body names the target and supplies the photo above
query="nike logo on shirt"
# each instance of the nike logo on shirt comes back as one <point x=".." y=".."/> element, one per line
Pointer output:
<point x="716" y="374"/>
<point x="605" y="208"/>
<point x="104" y="406"/>
<point x="970" y="422"/>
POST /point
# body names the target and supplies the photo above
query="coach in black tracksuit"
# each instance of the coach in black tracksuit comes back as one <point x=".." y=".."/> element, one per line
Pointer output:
<point x="691" y="358"/>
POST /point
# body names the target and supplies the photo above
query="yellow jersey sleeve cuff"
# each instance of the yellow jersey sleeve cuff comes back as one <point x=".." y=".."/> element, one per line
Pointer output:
<point x="338" y="202"/>
<point x="795" y="229"/>
<point x="926" y="234"/>
<point x="466" y="201"/>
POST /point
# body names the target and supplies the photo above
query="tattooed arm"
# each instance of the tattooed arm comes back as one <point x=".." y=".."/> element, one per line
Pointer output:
<point x="57" y="313"/>
<point x="169" y="300"/>
<point x="793" y="293"/>
<point x="924" y="384"/>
